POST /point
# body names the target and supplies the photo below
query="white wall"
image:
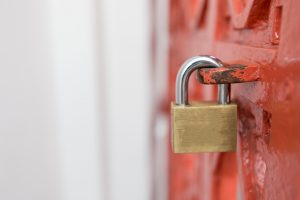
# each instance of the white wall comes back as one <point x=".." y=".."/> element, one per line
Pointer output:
<point x="77" y="97"/>
<point x="126" y="39"/>
<point x="29" y="154"/>
<point x="75" y="100"/>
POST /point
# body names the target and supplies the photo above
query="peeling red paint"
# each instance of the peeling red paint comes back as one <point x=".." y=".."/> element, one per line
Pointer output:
<point x="234" y="73"/>
<point x="265" y="40"/>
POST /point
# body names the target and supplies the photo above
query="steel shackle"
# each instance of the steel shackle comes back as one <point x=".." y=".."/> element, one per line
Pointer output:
<point x="185" y="72"/>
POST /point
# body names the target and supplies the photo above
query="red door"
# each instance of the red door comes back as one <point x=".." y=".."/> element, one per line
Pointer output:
<point x="260" y="33"/>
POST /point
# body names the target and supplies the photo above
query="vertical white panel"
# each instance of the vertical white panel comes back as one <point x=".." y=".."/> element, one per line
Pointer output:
<point x="161" y="126"/>
<point x="29" y="163"/>
<point x="76" y="78"/>
<point x="51" y="140"/>
<point x="126" y="31"/>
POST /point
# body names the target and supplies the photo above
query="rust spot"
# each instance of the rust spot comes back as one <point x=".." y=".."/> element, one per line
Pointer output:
<point x="227" y="76"/>
<point x="234" y="73"/>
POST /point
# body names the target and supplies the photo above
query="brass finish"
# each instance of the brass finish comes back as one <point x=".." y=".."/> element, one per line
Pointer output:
<point x="204" y="127"/>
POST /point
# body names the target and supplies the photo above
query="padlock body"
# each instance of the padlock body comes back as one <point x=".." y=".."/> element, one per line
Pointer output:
<point x="204" y="127"/>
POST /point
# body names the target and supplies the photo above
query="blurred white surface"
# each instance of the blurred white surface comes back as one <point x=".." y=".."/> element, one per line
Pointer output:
<point x="126" y="38"/>
<point x="76" y="81"/>
<point x="160" y="83"/>
<point x="75" y="100"/>
<point x="29" y="143"/>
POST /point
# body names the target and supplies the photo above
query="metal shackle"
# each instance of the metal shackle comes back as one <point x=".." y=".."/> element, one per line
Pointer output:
<point x="186" y="70"/>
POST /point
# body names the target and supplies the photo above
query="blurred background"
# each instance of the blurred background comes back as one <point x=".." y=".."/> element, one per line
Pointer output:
<point x="79" y="94"/>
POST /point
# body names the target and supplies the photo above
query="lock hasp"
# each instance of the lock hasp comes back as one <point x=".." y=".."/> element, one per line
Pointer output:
<point x="204" y="127"/>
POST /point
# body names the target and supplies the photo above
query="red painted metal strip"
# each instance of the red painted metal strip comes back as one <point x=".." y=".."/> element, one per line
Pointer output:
<point x="230" y="73"/>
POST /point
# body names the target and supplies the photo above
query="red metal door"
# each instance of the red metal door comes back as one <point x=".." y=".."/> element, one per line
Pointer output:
<point x="264" y="33"/>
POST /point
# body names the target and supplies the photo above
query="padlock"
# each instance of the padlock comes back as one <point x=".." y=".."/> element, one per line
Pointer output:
<point x="202" y="126"/>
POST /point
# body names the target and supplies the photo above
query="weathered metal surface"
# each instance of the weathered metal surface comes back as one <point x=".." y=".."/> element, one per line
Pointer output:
<point x="235" y="73"/>
<point x="268" y="155"/>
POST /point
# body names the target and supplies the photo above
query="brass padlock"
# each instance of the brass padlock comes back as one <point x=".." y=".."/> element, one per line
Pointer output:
<point x="203" y="126"/>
